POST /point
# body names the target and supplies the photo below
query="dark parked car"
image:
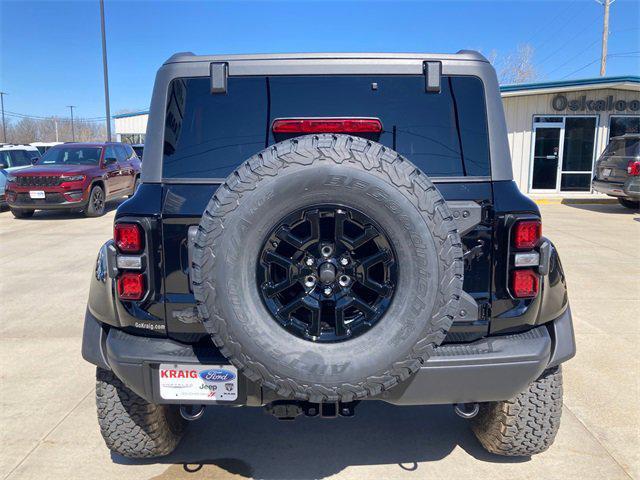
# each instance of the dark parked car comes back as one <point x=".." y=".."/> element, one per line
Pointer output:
<point x="618" y="170"/>
<point x="139" y="149"/>
<point x="74" y="176"/>
<point x="318" y="230"/>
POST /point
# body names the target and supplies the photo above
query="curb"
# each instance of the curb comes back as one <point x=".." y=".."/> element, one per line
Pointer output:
<point x="575" y="201"/>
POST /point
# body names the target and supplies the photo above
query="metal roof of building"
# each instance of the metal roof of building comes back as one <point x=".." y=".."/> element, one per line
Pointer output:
<point x="631" y="82"/>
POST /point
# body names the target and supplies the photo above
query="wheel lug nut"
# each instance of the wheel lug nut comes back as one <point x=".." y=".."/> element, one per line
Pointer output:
<point x="344" y="261"/>
<point x="344" y="280"/>
<point x="309" y="261"/>
<point x="309" y="281"/>
<point x="327" y="291"/>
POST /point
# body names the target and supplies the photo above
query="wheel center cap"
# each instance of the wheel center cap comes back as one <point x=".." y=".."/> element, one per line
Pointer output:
<point x="327" y="273"/>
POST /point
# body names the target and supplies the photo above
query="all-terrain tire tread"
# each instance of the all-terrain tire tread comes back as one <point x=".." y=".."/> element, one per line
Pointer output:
<point x="339" y="149"/>
<point x="131" y="426"/>
<point x="524" y="425"/>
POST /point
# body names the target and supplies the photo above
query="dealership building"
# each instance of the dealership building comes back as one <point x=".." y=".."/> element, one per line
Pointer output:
<point x="556" y="130"/>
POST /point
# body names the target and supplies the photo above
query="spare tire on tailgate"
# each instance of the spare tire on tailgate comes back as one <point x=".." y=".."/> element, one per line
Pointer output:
<point x="327" y="268"/>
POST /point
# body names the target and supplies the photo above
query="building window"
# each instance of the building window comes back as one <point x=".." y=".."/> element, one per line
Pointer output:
<point x="621" y="124"/>
<point x="132" y="138"/>
<point x="548" y="119"/>
<point x="563" y="153"/>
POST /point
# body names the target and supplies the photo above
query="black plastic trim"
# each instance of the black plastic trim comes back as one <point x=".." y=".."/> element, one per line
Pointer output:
<point x="489" y="369"/>
<point x="94" y="337"/>
<point x="564" y="340"/>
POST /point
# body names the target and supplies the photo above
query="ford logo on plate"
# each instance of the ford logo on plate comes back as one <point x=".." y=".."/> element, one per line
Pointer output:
<point x="217" y="375"/>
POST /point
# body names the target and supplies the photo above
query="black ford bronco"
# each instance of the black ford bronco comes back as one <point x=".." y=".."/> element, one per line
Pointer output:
<point x="318" y="230"/>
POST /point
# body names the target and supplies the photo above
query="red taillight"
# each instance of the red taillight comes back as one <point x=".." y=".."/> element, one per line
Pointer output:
<point x="131" y="286"/>
<point x="526" y="234"/>
<point x="633" y="168"/>
<point x="327" y="125"/>
<point x="524" y="283"/>
<point x="128" y="237"/>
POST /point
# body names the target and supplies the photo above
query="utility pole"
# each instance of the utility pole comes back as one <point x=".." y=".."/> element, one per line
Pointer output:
<point x="105" y="71"/>
<point x="4" y="124"/>
<point x="605" y="35"/>
<point x="55" y="123"/>
<point x="73" y="132"/>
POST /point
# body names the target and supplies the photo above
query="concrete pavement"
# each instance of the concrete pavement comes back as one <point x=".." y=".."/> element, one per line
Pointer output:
<point x="48" y="427"/>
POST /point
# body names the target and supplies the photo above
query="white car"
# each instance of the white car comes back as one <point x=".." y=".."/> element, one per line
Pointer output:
<point x="14" y="157"/>
<point x="44" y="146"/>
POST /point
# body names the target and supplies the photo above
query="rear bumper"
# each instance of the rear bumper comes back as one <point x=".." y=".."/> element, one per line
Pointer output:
<point x="609" y="188"/>
<point x="632" y="188"/>
<point x="54" y="202"/>
<point x="490" y="369"/>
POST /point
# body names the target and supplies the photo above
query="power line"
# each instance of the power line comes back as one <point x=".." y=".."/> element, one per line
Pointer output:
<point x="549" y="24"/>
<point x="568" y="41"/>
<point x="574" y="57"/>
<point x="612" y="55"/>
<point x="585" y="49"/>
<point x="38" y="117"/>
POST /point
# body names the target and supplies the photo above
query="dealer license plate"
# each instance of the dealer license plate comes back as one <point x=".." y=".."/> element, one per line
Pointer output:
<point x="606" y="172"/>
<point x="36" y="194"/>
<point x="201" y="382"/>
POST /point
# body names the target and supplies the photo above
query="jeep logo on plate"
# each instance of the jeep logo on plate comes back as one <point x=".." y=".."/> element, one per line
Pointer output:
<point x="217" y="375"/>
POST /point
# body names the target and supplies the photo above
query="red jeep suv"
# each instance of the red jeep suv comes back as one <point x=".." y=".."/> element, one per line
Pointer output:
<point x="74" y="176"/>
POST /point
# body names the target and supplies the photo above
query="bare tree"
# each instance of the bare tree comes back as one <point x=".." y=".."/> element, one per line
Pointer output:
<point x="515" y="67"/>
<point x="28" y="130"/>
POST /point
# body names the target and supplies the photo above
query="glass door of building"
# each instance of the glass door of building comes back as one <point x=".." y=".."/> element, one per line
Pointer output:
<point x="563" y="154"/>
<point x="547" y="142"/>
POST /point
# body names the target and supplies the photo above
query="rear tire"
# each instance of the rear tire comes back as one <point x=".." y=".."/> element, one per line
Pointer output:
<point x="626" y="203"/>
<point x="95" y="207"/>
<point x="131" y="426"/>
<point x="524" y="425"/>
<point x="22" y="212"/>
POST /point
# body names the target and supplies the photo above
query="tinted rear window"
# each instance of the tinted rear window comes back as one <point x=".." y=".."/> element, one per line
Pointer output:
<point x="623" y="147"/>
<point x="208" y="136"/>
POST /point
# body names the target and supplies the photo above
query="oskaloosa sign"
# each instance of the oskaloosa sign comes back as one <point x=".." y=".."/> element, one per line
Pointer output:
<point x="585" y="104"/>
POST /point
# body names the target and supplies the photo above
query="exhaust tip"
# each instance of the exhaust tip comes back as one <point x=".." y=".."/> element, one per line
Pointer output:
<point x="192" y="413"/>
<point x="466" y="410"/>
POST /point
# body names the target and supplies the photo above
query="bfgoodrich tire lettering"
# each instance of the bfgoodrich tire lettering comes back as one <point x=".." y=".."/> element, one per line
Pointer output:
<point x="130" y="425"/>
<point x="340" y="170"/>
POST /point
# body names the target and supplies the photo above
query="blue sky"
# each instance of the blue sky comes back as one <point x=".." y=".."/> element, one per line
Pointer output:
<point x="50" y="52"/>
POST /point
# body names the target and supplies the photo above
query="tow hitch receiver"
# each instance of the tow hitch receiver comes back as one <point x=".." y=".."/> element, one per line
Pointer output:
<point x="289" y="410"/>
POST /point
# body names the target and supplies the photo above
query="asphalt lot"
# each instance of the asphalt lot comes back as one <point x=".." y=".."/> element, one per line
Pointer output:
<point x="48" y="426"/>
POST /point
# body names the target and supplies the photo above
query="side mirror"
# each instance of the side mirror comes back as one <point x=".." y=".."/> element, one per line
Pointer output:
<point x="110" y="160"/>
<point x="34" y="160"/>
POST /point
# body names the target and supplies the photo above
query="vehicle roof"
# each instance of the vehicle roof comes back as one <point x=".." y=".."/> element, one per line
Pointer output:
<point x="89" y="144"/>
<point x="17" y="146"/>
<point x="431" y="65"/>
<point x="192" y="57"/>
<point x="625" y="136"/>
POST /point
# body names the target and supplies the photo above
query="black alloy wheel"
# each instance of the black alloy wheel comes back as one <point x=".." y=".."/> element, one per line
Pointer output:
<point x="96" y="204"/>
<point x="327" y="273"/>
